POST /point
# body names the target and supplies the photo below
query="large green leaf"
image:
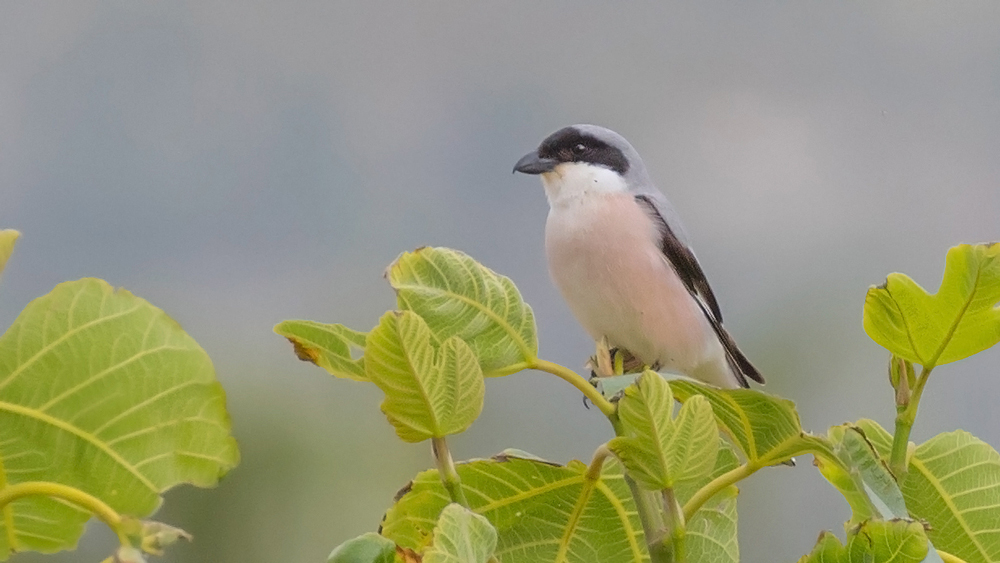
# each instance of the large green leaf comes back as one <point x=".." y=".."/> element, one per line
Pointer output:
<point x="7" y="239"/>
<point x="765" y="428"/>
<point x="541" y="511"/>
<point x="658" y="450"/>
<point x="429" y="391"/>
<point x="875" y="541"/>
<point x="545" y="512"/>
<point x="961" y="319"/>
<point x="329" y="346"/>
<point x="461" y="536"/>
<point x="101" y="391"/>
<point x="458" y="296"/>
<point x="953" y="483"/>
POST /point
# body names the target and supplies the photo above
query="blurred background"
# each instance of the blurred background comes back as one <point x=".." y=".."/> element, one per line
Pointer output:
<point x="241" y="163"/>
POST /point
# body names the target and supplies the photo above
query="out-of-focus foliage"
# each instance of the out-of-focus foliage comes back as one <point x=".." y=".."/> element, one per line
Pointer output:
<point x="104" y="399"/>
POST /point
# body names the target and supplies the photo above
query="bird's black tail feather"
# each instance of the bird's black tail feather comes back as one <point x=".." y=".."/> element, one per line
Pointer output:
<point x="739" y="363"/>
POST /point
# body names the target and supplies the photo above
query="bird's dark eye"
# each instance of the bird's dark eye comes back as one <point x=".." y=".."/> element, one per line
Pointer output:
<point x="579" y="149"/>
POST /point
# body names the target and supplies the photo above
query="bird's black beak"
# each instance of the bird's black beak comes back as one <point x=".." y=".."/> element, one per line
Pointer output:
<point x="531" y="163"/>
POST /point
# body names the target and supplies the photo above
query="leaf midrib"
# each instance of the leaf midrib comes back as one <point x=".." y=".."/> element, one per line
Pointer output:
<point x="958" y="318"/>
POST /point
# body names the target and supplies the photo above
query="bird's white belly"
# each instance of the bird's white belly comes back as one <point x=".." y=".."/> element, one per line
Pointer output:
<point x="604" y="257"/>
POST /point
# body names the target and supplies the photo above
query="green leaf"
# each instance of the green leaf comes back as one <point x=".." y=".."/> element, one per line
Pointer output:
<point x="461" y="536"/>
<point x="541" y="511"/>
<point x="953" y="483"/>
<point x="329" y="346"/>
<point x="961" y="319"/>
<point x="366" y="548"/>
<point x="875" y="541"/>
<point x="7" y="239"/>
<point x="103" y="392"/>
<point x="429" y="392"/>
<point x="458" y="296"/>
<point x="765" y="428"/>
<point x="659" y="451"/>
<point x="868" y="485"/>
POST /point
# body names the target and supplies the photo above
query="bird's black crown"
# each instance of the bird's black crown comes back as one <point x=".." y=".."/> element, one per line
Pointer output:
<point x="569" y="144"/>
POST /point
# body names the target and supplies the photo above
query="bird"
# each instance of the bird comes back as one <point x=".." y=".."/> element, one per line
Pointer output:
<point x="619" y="256"/>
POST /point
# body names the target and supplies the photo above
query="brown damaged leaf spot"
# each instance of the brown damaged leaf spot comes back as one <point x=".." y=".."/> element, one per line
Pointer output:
<point x="304" y="352"/>
<point x="407" y="555"/>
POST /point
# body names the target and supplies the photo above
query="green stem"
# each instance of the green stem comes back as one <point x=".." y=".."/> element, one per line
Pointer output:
<point x="447" y="472"/>
<point x="905" y="416"/>
<point x="90" y="503"/>
<point x="576" y="380"/>
<point x="714" y="486"/>
<point x="597" y="463"/>
<point x="650" y="516"/>
<point x="676" y="523"/>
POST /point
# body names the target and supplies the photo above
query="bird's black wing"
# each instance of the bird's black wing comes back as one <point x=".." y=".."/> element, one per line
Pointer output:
<point x="686" y="266"/>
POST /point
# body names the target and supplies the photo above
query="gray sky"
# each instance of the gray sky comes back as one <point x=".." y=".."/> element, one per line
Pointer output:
<point x="239" y="163"/>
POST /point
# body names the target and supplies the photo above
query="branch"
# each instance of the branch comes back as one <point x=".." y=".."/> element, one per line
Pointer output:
<point x="576" y="380"/>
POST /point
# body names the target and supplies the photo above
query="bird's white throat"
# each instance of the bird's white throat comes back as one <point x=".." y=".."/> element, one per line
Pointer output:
<point x="573" y="181"/>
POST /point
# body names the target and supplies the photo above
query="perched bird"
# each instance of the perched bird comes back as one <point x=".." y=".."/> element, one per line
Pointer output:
<point x="619" y="256"/>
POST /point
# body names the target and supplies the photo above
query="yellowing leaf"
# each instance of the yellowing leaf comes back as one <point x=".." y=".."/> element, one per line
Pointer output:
<point x="329" y="346"/>
<point x="429" y="391"/>
<point x="961" y="319"/>
<point x="458" y="296"/>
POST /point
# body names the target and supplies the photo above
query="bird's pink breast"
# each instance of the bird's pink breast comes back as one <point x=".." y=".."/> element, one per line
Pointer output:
<point x="604" y="257"/>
